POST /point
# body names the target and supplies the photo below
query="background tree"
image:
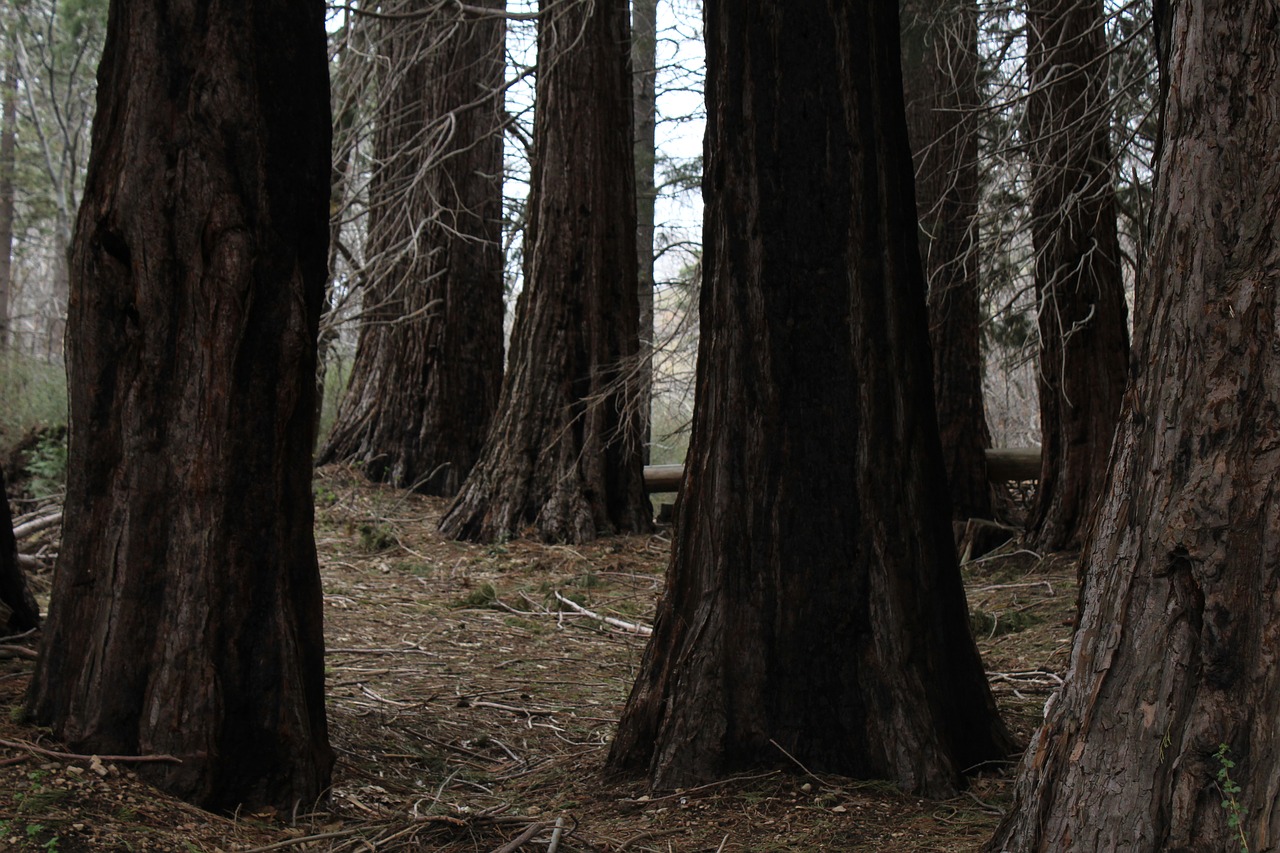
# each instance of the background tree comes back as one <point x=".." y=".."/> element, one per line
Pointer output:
<point x="18" y="611"/>
<point x="8" y="146"/>
<point x="1174" y="655"/>
<point x="186" y="609"/>
<point x="55" y="47"/>
<point x="563" y="457"/>
<point x="1084" y="346"/>
<point x="428" y="367"/>
<point x="644" y="67"/>
<point x="813" y="603"/>
<point x="940" y="68"/>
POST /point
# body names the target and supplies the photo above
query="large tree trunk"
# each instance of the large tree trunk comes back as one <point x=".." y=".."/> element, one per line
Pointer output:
<point x="813" y="602"/>
<point x="563" y="459"/>
<point x="1176" y="648"/>
<point x="1084" y="341"/>
<point x="940" y="67"/>
<point x="186" y="609"/>
<point x="18" y="611"/>
<point x="428" y="365"/>
<point x="644" y="62"/>
<point x="8" y="145"/>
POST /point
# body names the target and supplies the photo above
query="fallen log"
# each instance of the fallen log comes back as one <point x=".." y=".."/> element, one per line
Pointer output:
<point x="1003" y="464"/>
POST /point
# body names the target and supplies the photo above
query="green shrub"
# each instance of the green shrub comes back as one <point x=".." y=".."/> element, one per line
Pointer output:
<point x="35" y="398"/>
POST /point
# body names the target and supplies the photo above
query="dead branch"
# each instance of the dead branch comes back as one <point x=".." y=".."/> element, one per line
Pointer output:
<point x="629" y="627"/>
<point x="30" y="528"/>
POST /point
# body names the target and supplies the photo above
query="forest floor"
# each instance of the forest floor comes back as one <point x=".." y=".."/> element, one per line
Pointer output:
<point x="469" y="708"/>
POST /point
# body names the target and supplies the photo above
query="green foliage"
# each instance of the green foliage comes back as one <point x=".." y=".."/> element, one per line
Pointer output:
<point x="377" y="537"/>
<point x="483" y="596"/>
<point x="985" y="624"/>
<point x="35" y="398"/>
<point x="337" y="372"/>
<point x="1230" y="795"/>
<point x="47" y="465"/>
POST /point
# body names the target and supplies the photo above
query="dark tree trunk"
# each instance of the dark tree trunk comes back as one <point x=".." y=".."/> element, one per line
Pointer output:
<point x="1176" y="648"/>
<point x="186" y="609"/>
<point x="428" y="366"/>
<point x="940" y="66"/>
<point x="563" y="459"/>
<point x="813" y="602"/>
<point x="644" y="62"/>
<point x="1084" y="340"/>
<point x="18" y="611"/>
<point x="8" y="145"/>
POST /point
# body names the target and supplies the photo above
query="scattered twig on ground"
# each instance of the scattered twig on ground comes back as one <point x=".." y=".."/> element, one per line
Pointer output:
<point x="514" y="844"/>
<point x="630" y="627"/>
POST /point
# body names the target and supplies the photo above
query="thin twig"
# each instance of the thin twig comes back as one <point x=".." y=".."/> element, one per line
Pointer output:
<point x="305" y="839"/>
<point x="515" y="843"/>
<point x="630" y="627"/>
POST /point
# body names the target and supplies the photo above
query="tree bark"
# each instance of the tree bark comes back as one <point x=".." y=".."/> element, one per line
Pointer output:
<point x="563" y="459"/>
<point x="1175" y="653"/>
<point x="18" y="610"/>
<point x="1084" y="342"/>
<point x="813" y="607"/>
<point x="940" y="67"/>
<point x="644" y="62"/>
<point x="186" y="608"/>
<point x="428" y="366"/>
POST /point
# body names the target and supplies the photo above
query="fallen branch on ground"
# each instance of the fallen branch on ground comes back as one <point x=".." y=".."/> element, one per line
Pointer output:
<point x="629" y="627"/>
<point x="30" y="528"/>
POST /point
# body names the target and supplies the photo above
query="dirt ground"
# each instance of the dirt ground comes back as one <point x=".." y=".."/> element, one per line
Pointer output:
<point x="471" y="709"/>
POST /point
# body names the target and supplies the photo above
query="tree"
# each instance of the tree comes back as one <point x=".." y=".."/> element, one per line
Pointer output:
<point x="813" y="606"/>
<point x="563" y="457"/>
<point x="644" y="62"/>
<point x="8" y="145"/>
<point x="186" y="609"/>
<point x="428" y="367"/>
<point x="18" y="611"/>
<point x="1084" y="345"/>
<point x="55" y="48"/>
<point x="940" y="67"/>
<point x="1174" y="655"/>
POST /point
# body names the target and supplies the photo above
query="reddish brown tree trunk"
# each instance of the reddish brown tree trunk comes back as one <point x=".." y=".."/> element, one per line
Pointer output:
<point x="813" y="602"/>
<point x="644" y="61"/>
<point x="428" y="367"/>
<point x="18" y="611"/>
<point x="563" y="459"/>
<point x="940" y="67"/>
<point x="1176" y="650"/>
<point x="186" y="609"/>
<point x="1084" y="340"/>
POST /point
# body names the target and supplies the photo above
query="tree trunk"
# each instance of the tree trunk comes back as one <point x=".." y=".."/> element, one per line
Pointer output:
<point x="813" y="603"/>
<point x="8" y="144"/>
<point x="18" y="611"/>
<point x="644" y="67"/>
<point x="940" y="66"/>
<point x="563" y="459"/>
<point x="428" y="366"/>
<point x="186" y="609"/>
<point x="1175" y="654"/>
<point x="1084" y="345"/>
